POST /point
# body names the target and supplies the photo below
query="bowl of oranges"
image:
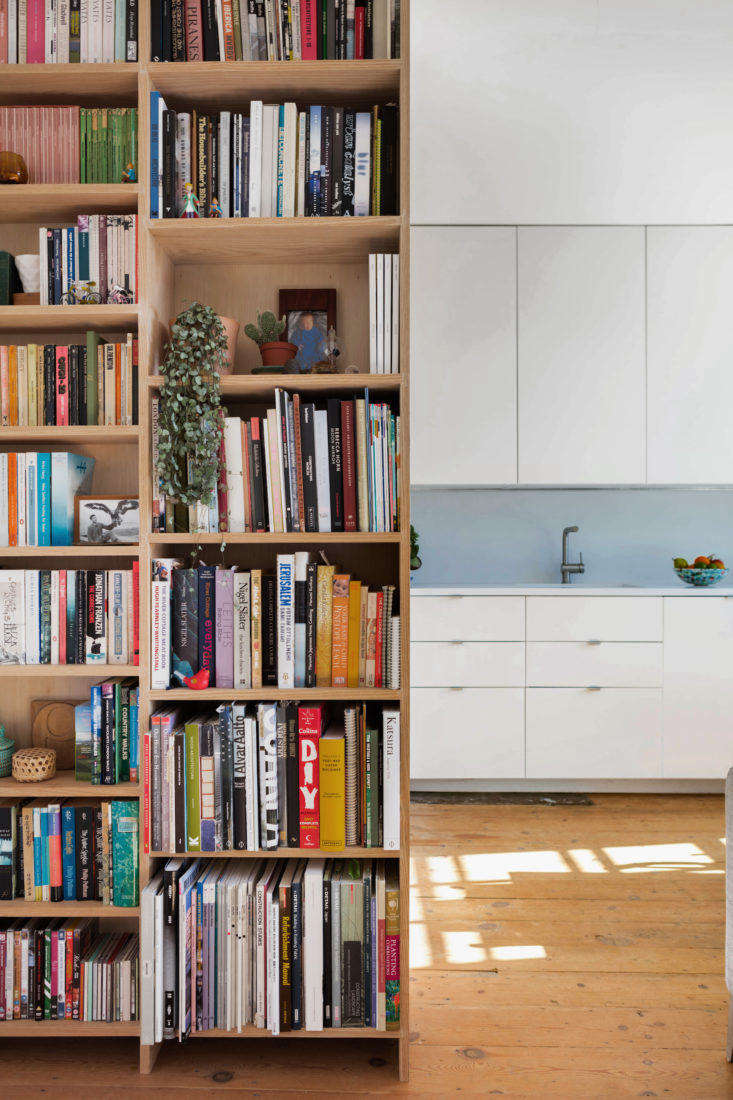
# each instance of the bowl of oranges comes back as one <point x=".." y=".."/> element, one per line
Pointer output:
<point x="706" y="570"/>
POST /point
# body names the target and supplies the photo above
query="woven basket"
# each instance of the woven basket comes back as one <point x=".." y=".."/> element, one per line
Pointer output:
<point x="33" y="765"/>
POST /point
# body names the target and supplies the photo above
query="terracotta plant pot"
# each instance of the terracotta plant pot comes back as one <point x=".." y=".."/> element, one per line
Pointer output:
<point x="277" y="353"/>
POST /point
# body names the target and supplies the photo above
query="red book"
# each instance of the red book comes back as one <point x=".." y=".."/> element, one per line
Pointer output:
<point x="309" y="30"/>
<point x="228" y="19"/>
<point x="359" y="13"/>
<point x="192" y="20"/>
<point x="69" y="974"/>
<point x="102" y="288"/>
<point x="246" y="474"/>
<point x="54" y="853"/>
<point x="12" y="498"/>
<point x="222" y="489"/>
<point x="62" y="386"/>
<point x="36" y="32"/>
<point x="136" y="612"/>
<point x="62" y="616"/>
<point x="379" y="631"/>
<point x="348" y="463"/>
<point x="146" y="792"/>
<point x="310" y="726"/>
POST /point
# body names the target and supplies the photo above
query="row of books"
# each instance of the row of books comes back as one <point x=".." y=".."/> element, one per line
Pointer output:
<point x="67" y="970"/>
<point x="106" y="734"/>
<point x="278" y="775"/>
<point x="71" y="144"/>
<point x="68" y="851"/>
<point x="277" y="161"/>
<point x="305" y="625"/>
<point x="42" y="31"/>
<point x="268" y="30"/>
<point x="100" y="249"/>
<point x="69" y="616"/>
<point x="37" y="491"/>
<point x="286" y="946"/>
<point x="95" y="383"/>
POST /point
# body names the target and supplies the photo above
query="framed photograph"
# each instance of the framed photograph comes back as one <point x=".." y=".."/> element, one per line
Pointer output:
<point x="309" y="314"/>
<point x="107" y="520"/>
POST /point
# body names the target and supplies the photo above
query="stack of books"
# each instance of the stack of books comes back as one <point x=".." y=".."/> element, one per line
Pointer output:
<point x="69" y="384"/>
<point x="37" y="491"/>
<point x="107" y="734"/>
<point x="287" y="946"/>
<point x="67" y="970"/>
<point x="100" y="249"/>
<point x="42" y="31"/>
<point x="304" y="466"/>
<point x="69" y="616"/>
<point x="70" y="851"/>
<point x="71" y="144"/>
<point x="276" y="161"/>
<point x="272" y="776"/>
<point x="305" y="625"/>
<point x="265" y="30"/>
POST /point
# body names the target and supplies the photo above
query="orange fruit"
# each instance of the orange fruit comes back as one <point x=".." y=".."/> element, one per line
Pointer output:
<point x="716" y="563"/>
<point x="701" y="562"/>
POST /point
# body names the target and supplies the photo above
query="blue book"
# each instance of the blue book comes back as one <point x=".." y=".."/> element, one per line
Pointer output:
<point x="83" y="742"/>
<point x="57" y="266"/>
<point x="280" y="158"/>
<point x="44" y="498"/>
<point x="45" y="853"/>
<point x="96" y="717"/>
<point x="120" y="40"/>
<point x="82" y="222"/>
<point x="70" y="625"/>
<point x="154" y="153"/>
<point x="37" y="854"/>
<point x="68" y="850"/>
<point x="71" y="475"/>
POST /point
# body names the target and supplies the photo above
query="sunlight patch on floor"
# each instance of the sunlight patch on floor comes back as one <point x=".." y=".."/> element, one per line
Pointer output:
<point x="587" y="861"/>
<point x="646" y="858"/>
<point x="518" y="951"/>
<point x="461" y="948"/>
<point x="500" y="866"/>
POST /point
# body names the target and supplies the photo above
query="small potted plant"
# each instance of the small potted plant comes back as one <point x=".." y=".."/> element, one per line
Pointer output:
<point x="266" y="334"/>
<point x="415" y="559"/>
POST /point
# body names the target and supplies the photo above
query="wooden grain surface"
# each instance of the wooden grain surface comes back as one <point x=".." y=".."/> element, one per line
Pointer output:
<point x="625" y="999"/>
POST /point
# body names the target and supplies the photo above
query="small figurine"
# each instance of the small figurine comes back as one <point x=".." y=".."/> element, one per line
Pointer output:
<point x="119" y="295"/>
<point x="215" y="210"/>
<point x="190" y="202"/>
<point x="129" y="174"/>
<point x="198" y="682"/>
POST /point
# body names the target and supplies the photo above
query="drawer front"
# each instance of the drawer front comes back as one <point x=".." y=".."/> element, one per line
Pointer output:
<point x="467" y="618"/>
<point x="608" y="664"/>
<point x="467" y="664"/>
<point x="612" y="733"/>
<point x="476" y="733"/>
<point x="585" y="618"/>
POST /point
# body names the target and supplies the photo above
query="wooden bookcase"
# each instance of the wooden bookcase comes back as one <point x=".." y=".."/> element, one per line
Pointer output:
<point x="236" y="266"/>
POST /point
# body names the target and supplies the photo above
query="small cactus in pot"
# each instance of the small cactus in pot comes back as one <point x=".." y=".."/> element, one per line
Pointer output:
<point x="266" y="334"/>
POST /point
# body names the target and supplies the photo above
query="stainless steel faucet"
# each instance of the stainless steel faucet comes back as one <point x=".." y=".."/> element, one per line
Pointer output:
<point x="569" y="567"/>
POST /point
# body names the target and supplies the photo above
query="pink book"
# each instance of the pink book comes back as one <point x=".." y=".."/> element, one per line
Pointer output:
<point x="36" y="31"/>
<point x="54" y="967"/>
<point x="192" y="17"/>
<point x="224" y="611"/>
<point x="308" y="30"/>
<point x="310" y="724"/>
<point x="62" y="386"/>
<point x="62" y="616"/>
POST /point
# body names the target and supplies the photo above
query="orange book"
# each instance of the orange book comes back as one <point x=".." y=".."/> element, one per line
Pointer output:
<point x="352" y="675"/>
<point x="13" y="384"/>
<point x="340" y="630"/>
<point x="12" y="498"/>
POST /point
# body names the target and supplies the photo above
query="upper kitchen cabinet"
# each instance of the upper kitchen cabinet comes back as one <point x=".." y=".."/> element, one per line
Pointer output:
<point x="581" y="356"/>
<point x="463" y="340"/>
<point x="690" y="356"/>
<point x="543" y="112"/>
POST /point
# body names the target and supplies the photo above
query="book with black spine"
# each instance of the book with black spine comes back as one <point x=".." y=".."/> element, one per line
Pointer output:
<point x="166" y="30"/>
<point x="227" y="776"/>
<point x="282" y="760"/>
<point x="80" y="616"/>
<point x="389" y="160"/>
<point x="178" y="31"/>
<point x="311" y="604"/>
<point x="84" y="851"/>
<point x="349" y="173"/>
<point x="257" y="476"/>
<point x="327" y="950"/>
<point x="296" y="903"/>
<point x="337" y="162"/>
<point x="179" y="791"/>
<point x="206" y="618"/>
<point x="239" y="777"/>
<point x="335" y="474"/>
<point x="308" y="448"/>
<point x="292" y="798"/>
<point x="201" y="140"/>
<point x="184" y="620"/>
<point x="131" y="30"/>
<point x="49" y="385"/>
<point x="210" y="33"/>
<point x="168" y="139"/>
<point x="326" y="161"/>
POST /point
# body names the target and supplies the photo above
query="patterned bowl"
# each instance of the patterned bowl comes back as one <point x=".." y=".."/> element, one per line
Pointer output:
<point x="703" y="578"/>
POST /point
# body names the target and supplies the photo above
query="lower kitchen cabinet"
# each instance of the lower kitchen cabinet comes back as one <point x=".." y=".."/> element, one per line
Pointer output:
<point x="602" y="733"/>
<point x="466" y="733"/>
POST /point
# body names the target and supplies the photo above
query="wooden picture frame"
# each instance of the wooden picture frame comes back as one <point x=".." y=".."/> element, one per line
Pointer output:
<point x="294" y="305"/>
<point x="109" y="524"/>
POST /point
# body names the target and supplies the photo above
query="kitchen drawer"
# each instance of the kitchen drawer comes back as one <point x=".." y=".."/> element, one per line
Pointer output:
<point x="608" y="664"/>
<point x="467" y="664"/>
<point x="471" y="733"/>
<point x="585" y="618"/>
<point x="467" y="618"/>
<point x="610" y="733"/>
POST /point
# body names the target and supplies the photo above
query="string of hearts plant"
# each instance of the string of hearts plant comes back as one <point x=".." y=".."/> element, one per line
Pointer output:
<point x="189" y="424"/>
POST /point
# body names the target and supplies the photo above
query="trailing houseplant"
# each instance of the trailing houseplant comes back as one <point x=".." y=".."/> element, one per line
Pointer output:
<point x="266" y="334"/>
<point x="190" y="401"/>
<point x="415" y="559"/>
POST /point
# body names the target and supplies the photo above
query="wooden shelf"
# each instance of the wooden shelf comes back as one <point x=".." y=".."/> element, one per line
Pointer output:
<point x="274" y="240"/>
<point x="64" y="785"/>
<point x="233" y="83"/>
<point x="286" y="853"/>
<point x="50" y="202"/>
<point x="21" y="907"/>
<point x="84" y="551"/>
<point x="68" y="1028"/>
<point x="90" y="672"/>
<point x="262" y="386"/>
<point x="344" y="695"/>
<point x="72" y="434"/>
<point x="67" y="318"/>
<point x="83" y="84"/>
<point x="299" y="538"/>
<point x="251" y="1032"/>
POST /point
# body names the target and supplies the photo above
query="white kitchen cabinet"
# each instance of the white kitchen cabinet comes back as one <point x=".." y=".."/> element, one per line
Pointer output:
<point x="590" y="618"/>
<point x="463" y="345"/>
<point x="698" y="687"/>
<point x="467" y="664"/>
<point x="611" y="733"/>
<point x="469" y="733"/>
<point x="690" y="352"/>
<point x="581" y="356"/>
<point x="467" y="618"/>
<point x="569" y="112"/>
<point x="604" y="664"/>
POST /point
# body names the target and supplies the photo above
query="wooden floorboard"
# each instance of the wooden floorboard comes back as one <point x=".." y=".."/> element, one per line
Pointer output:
<point x="560" y="951"/>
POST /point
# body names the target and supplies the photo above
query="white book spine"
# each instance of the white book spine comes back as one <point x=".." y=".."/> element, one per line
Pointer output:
<point x="391" y="772"/>
<point x="43" y="264"/>
<point x="289" y="159"/>
<point x="218" y="7"/>
<point x="285" y="621"/>
<point x="380" y="314"/>
<point x="297" y="48"/>
<point x="50" y="37"/>
<point x="84" y="30"/>
<point x="147" y="963"/>
<point x="115" y="619"/>
<point x="159" y="1010"/>
<point x="260" y="925"/>
<point x="395" y="313"/>
<point x="4" y="501"/>
<point x="323" y="489"/>
<point x="313" y="945"/>
<point x="362" y="164"/>
<point x="387" y="335"/>
<point x="255" y="158"/>
<point x="12" y="45"/>
<point x="253" y="786"/>
<point x="32" y="621"/>
<point x="242" y="650"/>
<point x="95" y="31"/>
<point x="335" y="951"/>
<point x="21" y="498"/>
<point x="225" y="131"/>
<point x="373" y="313"/>
<point x="54" y="616"/>
<point x="301" y="164"/>
<point x="235" y="480"/>
<point x="160" y="634"/>
<point x="269" y="135"/>
<point x="63" y="32"/>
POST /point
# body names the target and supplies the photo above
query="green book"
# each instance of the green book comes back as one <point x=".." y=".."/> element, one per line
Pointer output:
<point x="93" y="342"/>
<point x="192" y="737"/>
<point x="236" y="18"/>
<point x="125" y="847"/>
<point x="82" y="145"/>
<point x="122" y="730"/>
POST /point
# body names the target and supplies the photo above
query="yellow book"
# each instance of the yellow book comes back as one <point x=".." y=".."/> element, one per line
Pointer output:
<point x="324" y="624"/>
<point x="332" y="795"/>
<point x="40" y="404"/>
<point x="22" y="386"/>
<point x="13" y="385"/>
<point x="256" y="618"/>
<point x="33" y="385"/>
<point x="340" y="630"/>
<point x="352" y="675"/>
